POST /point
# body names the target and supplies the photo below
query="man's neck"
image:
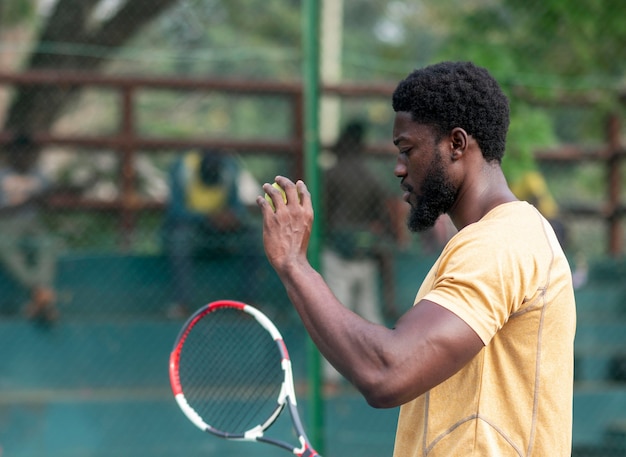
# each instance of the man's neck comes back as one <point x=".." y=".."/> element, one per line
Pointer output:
<point x="481" y="195"/>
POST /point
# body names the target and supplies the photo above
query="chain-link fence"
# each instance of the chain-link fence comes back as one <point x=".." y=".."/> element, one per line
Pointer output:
<point x="155" y="157"/>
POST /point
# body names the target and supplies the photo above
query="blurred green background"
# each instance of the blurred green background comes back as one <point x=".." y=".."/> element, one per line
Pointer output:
<point x="229" y="73"/>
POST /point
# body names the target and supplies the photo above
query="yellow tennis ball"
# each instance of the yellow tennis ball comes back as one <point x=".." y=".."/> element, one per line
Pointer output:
<point x="269" y="199"/>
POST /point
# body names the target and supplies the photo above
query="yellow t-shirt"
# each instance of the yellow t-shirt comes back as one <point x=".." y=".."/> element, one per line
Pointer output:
<point x="507" y="277"/>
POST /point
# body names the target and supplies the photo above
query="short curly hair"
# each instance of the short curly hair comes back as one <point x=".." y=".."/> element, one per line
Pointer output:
<point x="457" y="94"/>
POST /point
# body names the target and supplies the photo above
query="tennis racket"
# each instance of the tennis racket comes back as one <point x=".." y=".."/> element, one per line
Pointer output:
<point x="231" y="375"/>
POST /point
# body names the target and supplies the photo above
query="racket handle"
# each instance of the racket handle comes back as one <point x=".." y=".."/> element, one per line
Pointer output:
<point x="310" y="453"/>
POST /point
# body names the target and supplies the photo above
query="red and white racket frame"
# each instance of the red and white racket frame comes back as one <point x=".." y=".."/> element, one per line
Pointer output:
<point x="286" y="396"/>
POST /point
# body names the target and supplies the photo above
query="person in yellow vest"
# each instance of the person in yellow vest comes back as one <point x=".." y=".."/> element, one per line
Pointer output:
<point x="205" y="214"/>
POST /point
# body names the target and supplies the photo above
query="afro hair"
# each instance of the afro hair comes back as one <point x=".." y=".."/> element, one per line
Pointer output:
<point x="457" y="94"/>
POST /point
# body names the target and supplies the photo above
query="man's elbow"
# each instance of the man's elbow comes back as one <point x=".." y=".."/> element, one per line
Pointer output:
<point x="385" y="392"/>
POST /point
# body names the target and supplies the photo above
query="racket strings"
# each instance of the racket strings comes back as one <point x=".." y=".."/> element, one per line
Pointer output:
<point x="230" y="371"/>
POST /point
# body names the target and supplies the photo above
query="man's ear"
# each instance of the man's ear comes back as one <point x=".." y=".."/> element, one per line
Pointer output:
<point x="458" y="142"/>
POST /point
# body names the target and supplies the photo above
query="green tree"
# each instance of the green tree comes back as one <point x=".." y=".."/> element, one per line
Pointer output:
<point x="548" y="51"/>
<point x="15" y="12"/>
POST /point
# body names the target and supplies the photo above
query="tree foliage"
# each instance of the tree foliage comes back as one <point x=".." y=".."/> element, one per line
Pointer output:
<point x="546" y="53"/>
<point x="15" y="12"/>
<point x="544" y="50"/>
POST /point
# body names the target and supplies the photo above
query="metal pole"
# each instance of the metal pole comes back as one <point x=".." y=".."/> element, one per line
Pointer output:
<point x="310" y="40"/>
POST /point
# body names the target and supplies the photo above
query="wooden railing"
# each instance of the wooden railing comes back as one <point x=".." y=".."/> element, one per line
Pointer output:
<point x="126" y="140"/>
<point x="612" y="210"/>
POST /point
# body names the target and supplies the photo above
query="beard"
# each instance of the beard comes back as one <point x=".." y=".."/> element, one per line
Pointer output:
<point x="436" y="196"/>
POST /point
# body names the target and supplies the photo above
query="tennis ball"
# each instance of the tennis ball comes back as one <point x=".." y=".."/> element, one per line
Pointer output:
<point x="269" y="199"/>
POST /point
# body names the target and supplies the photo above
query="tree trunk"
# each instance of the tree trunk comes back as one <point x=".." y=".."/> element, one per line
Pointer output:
<point x="35" y="108"/>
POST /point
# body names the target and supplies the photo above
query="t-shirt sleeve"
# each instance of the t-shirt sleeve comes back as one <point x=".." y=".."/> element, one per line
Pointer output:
<point x="476" y="279"/>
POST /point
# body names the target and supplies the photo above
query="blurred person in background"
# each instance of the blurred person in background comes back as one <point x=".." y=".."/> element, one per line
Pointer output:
<point x="359" y="230"/>
<point x="27" y="250"/>
<point x="206" y="216"/>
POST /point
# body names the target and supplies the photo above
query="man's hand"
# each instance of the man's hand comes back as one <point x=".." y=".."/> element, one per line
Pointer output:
<point x="287" y="230"/>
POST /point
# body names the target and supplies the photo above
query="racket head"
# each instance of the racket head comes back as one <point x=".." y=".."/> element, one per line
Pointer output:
<point x="230" y="371"/>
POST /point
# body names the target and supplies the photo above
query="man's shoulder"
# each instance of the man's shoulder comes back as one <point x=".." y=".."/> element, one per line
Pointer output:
<point x="514" y="229"/>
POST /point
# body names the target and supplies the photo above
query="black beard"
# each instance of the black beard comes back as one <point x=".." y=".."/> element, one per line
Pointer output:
<point x="437" y="195"/>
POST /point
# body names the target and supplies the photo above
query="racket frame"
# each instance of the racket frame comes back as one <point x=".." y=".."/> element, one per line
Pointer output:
<point x="286" y="396"/>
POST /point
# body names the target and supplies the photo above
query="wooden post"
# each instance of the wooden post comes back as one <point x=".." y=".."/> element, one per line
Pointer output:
<point x="613" y="164"/>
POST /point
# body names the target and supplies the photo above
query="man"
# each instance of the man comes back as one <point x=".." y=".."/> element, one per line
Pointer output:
<point x="358" y="232"/>
<point x="482" y="364"/>
<point x="205" y="214"/>
<point x="27" y="250"/>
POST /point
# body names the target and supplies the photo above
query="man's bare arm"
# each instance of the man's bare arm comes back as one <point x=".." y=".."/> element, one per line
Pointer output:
<point x="389" y="366"/>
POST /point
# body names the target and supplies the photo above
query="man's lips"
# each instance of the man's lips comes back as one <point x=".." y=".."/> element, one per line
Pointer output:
<point x="407" y="192"/>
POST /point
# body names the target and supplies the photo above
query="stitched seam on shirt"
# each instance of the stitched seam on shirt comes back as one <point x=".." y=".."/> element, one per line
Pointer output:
<point x="467" y="419"/>
<point x="533" y="305"/>
<point x="425" y="433"/>
<point x="533" y="428"/>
